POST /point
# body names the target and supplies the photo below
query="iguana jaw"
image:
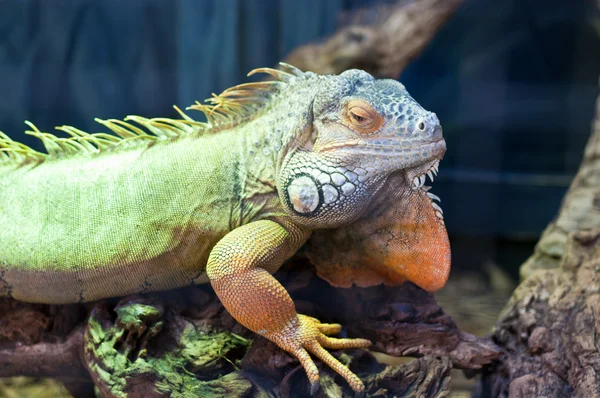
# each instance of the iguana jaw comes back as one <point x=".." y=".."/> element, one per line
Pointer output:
<point x="416" y="178"/>
<point x="429" y="156"/>
<point x="417" y="159"/>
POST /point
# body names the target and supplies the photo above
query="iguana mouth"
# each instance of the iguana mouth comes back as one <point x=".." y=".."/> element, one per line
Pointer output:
<point x="385" y="146"/>
<point x="418" y="183"/>
<point x="419" y="180"/>
<point x="415" y="176"/>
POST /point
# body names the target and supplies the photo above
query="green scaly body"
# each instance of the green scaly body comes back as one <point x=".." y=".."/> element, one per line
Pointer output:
<point x="134" y="220"/>
<point x="139" y="216"/>
<point x="119" y="223"/>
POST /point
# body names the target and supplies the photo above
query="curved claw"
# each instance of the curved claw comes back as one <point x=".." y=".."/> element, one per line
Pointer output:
<point x="314" y="388"/>
<point x="309" y="366"/>
<point x="352" y="379"/>
<point x="311" y="335"/>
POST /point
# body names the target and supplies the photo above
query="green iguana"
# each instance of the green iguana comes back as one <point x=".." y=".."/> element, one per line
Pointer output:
<point x="168" y="203"/>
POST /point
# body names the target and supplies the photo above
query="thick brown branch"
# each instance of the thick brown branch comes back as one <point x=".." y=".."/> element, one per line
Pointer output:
<point x="382" y="45"/>
<point x="45" y="359"/>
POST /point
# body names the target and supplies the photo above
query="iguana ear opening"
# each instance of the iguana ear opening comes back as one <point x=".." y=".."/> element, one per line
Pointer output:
<point x="400" y="239"/>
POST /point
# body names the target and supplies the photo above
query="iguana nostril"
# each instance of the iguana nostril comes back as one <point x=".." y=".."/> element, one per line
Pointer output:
<point x="421" y="126"/>
<point x="437" y="131"/>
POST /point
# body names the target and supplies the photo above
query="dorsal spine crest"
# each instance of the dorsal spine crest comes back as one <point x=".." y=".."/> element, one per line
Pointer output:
<point x="232" y="107"/>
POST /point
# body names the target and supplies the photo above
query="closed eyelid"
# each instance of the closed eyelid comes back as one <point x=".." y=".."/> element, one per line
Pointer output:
<point x="361" y="116"/>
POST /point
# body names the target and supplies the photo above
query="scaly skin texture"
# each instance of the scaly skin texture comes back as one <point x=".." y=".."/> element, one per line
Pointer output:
<point x="177" y="202"/>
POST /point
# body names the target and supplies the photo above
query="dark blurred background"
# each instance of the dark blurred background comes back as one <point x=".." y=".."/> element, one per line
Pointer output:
<point x="514" y="83"/>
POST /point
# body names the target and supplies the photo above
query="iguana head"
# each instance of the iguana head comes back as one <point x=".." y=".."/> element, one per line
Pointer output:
<point x="356" y="175"/>
<point x="361" y="131"/>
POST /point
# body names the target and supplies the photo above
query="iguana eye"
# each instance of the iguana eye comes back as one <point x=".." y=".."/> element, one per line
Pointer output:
<point x="362" y="117"/>
<point x="359" y="115"/>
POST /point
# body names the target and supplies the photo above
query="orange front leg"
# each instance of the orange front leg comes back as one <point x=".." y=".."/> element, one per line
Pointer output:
<point x="240" y="267"/>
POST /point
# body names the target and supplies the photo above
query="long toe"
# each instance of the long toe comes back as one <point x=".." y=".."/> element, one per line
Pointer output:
<point x="339" y="344"/>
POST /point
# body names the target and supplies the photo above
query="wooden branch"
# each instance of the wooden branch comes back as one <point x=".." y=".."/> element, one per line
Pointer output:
<point x="406" y="321"/>
<point x="44" y="341"/>
<point x="382" y="40"/>
<point x="164" y="344"/>
<point x="40" y="340"/>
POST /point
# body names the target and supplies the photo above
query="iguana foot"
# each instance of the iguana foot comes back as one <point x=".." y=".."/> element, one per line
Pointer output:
<point x="307" y="334"/>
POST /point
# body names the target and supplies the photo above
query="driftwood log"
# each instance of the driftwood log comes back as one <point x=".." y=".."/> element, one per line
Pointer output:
<point x="550" y="329"/>
<point x="183" y="343"/>
<point x="382" y="40"/>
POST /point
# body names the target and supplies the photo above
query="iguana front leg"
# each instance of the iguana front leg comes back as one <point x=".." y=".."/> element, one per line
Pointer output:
<point x="240" y="267"/>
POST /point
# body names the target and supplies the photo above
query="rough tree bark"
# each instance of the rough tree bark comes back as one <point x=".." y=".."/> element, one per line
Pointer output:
<point x="381" y="40"/>
<point x="550" y="329"/>
<point x="183" y="343"/>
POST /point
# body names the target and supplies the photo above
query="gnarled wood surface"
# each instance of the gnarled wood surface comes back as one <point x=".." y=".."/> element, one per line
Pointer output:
<point x="181" y="342"/>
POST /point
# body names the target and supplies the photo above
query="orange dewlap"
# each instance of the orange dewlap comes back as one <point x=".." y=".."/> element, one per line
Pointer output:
<point x="392" y="244"/>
